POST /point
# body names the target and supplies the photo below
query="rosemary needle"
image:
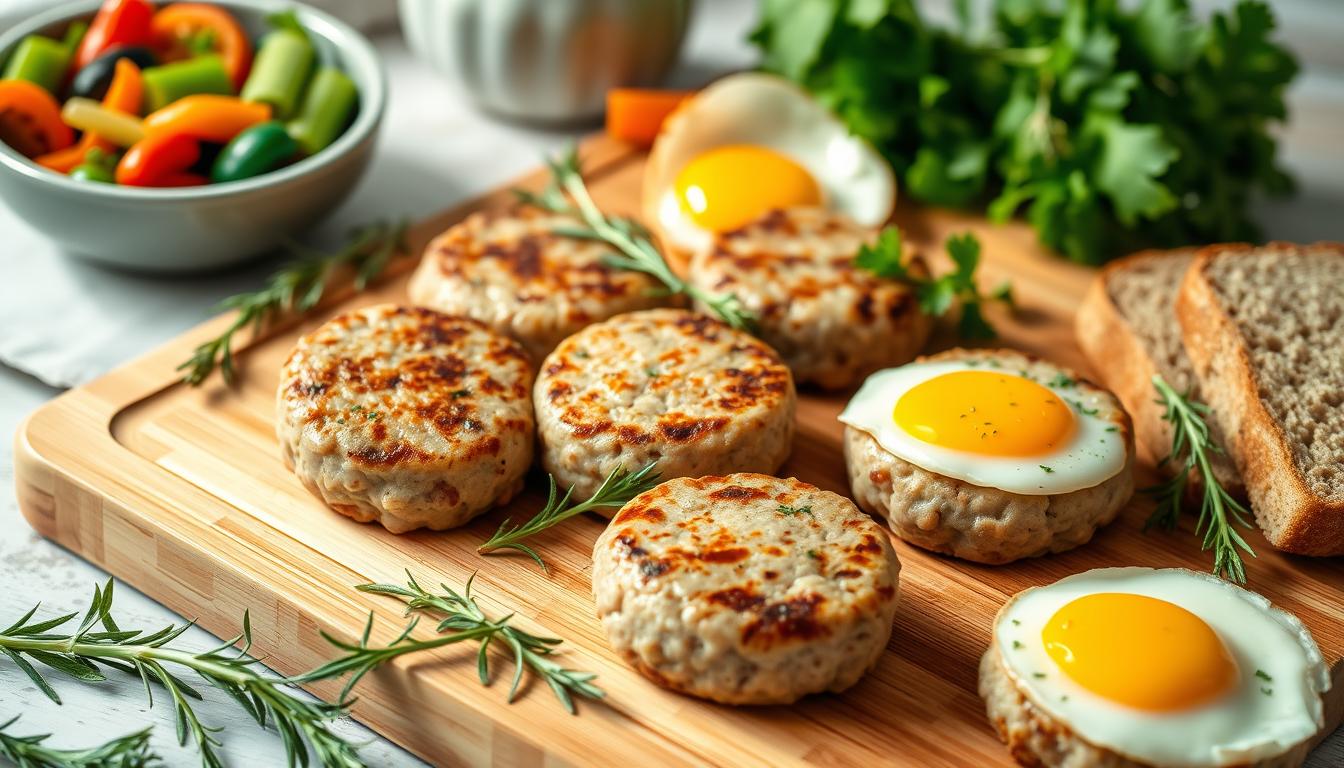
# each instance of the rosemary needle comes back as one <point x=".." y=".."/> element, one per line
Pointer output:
<point x="129" y="751"/>
<point x="1219" y="512"/>
<point x="298" y="286"/>
<point x="462" y="619"/>
<point x="567" y="194"/>
<point x="619" y="487"/>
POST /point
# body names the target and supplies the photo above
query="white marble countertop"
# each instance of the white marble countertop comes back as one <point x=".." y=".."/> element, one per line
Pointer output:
<point x="467" y="154"/>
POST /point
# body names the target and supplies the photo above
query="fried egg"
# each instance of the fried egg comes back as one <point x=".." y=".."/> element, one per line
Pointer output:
<point x="990" y="426"/>
<point x="752" y="143"/>
<point x="1165" y="667"/>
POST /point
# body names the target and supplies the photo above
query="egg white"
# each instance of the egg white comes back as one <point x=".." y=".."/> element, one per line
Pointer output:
<point x="1090" y="457"/>
<point x="1242" y="726"/>
<point x="766" y="111"/>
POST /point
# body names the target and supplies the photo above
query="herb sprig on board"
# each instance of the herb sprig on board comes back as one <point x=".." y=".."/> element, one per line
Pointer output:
<point x="1109" y="126"/>
<point x="1219" y="512"/>
<point x="619" y="487"/>
<point x="297" y="287"/>
<point x="98" y="642"/>
<point x="566" y="194"/>
<point x="129" y="751"/>
<point x="462" y="619"/>
<point x="886" y="258"/>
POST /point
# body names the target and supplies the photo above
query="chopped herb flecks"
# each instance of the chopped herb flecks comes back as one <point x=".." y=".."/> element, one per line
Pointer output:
<point x="1062" y="381"/>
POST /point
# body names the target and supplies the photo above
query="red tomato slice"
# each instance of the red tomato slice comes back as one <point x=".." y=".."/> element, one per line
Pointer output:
<point x="119" y="22"/>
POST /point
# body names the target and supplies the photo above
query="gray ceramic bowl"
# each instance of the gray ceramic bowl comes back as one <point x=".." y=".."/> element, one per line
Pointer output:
<point x="200" y="228"/>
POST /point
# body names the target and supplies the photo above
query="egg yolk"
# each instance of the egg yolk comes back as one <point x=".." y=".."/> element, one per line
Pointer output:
<point x="985" y="412"/>
<point x="728" y="187"/>
<point x="1139" y="651"/>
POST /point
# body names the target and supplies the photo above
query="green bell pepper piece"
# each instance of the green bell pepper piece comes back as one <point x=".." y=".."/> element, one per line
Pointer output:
<point x="98" y="166"/>
<point x="39" y="60"/>
<point x="257" y="150"/>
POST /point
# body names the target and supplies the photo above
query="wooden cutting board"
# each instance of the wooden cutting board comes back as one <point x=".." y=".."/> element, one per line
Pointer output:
<point x="181" y="492"/>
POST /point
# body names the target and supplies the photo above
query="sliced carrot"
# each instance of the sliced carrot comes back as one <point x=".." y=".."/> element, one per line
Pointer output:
<point x="635" y="115"/>
<point x="30" y="119"/>
<point x="123" y="95"/>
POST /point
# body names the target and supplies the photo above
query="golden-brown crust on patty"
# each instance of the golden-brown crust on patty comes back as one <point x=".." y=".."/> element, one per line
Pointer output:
<point x="746" y="588"/>
<point x="832" y="322"/>
<point x="407" y="415"/>
<point x="665" y="384"/>
<point x="513" y="272"/>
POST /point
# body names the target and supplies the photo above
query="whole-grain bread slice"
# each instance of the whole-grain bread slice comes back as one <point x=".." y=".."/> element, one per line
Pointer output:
<point x="1127" y="329"/>
<point x="1264" y="328"/>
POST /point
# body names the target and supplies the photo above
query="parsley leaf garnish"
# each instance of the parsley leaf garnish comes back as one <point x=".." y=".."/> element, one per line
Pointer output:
<point x="886" y="258"/>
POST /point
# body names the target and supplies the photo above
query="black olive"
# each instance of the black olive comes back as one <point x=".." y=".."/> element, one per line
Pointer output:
<point x="93" y="80"/>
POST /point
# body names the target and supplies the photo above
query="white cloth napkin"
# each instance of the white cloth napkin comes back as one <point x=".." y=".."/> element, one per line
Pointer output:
<point x="66" y="322"/>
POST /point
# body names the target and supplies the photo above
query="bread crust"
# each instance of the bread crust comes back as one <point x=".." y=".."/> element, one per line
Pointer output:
<point x="1124" y="365"/>
<point x="1293" y="517"/>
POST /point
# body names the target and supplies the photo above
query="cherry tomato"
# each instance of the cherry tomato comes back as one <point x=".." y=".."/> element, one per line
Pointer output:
<point x="119" y="22"/>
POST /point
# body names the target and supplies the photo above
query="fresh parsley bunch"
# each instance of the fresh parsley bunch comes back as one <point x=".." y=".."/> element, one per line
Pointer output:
<point x="1109" y="128"/>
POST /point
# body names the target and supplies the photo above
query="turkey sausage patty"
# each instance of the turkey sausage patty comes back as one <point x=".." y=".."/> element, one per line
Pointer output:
<point x="511" y="272"/>
<point x="407" y="416"/>
<point x="831" y="322"/>
<point x="663" y="385"/>
<point x="746" y="589"/>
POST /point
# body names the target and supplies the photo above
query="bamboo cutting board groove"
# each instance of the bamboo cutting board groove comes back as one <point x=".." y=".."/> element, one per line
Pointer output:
<point x="181" y="492"/>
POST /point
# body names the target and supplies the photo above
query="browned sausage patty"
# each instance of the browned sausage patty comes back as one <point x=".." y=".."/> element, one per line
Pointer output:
<point x="746" y="589"/>
<point x="407" y="416"/>
<point x="663" y="385"/>
<point x="513" y="273"/>
<point x="830" y="321"/>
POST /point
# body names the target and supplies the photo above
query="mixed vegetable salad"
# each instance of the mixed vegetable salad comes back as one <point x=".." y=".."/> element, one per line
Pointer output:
<point x="171" y="97"/>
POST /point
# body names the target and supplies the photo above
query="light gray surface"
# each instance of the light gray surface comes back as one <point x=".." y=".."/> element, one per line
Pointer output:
<point x="69" y="322"/>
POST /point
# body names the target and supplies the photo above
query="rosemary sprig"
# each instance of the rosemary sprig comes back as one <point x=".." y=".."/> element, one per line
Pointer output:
<point x="567" y="194"/>
<point x="297" y="287"/>
<point x="619" y="487"/>
<point x="98" y="642"/>
<point x="129" y="751"/>
<point x="463" y="620"/>
<point x="1219" y="512"/>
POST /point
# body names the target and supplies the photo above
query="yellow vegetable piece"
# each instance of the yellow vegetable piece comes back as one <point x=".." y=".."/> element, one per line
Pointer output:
<point x="117" y="127"/>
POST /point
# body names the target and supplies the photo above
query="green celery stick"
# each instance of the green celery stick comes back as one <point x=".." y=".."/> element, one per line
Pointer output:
<point x="167" y="83"/>
<point x="326" y="109"/>
<point x="280" y="71"/>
